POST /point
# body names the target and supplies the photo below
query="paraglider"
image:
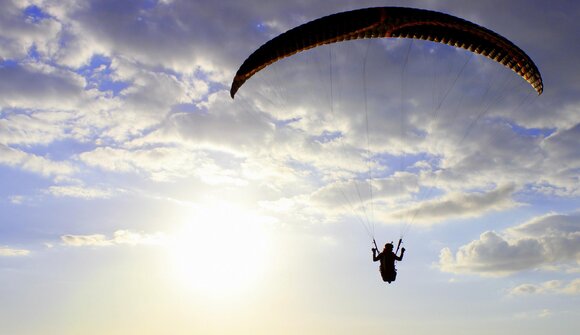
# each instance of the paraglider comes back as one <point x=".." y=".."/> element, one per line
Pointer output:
<point x="390" y="22"/>
<point x="387" y="260"/>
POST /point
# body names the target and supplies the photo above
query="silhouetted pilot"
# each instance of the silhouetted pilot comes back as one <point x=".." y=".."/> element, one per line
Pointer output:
<point x="388" y="258"/>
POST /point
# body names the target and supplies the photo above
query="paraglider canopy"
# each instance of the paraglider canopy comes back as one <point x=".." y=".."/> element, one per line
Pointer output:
<point x="391" y="22"/>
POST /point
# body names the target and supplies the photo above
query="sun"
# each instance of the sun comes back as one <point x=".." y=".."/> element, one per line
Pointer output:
<point x="221" y="250"/>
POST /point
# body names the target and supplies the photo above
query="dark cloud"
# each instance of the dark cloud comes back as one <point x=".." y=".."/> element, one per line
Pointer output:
<point x="458" y="205"/>
<point x="562" y="147"/>
<point x="24" y="86"/>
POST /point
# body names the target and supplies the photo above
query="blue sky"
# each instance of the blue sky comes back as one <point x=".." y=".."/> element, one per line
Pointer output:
<point x="136" y="197"/>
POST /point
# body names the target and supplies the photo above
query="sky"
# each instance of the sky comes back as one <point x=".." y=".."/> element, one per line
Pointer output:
<point x="138" y="197"/>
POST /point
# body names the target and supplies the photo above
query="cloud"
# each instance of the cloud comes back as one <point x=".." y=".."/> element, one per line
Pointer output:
<point x="10" y="252"/>
<point x="458" y="205"/>
<point x="538" y="314"/>
<point x="86" y="240"/>
<point x="119" y="237"/>
<point x="551" y="241"/>
<point x="357" y="196"/>
<point x="550" y="287"/>
<point x="38" y="86"/>
<point x="492" y="255"/>
<point x="132" y="238"/>
<point x="166" y="164"/>
<point x="73" y="191"/>
<point x="160" y="34"/>
<point x="20" y="128"/>
<point x="16" y="199"/>
<point x="18" y="33"/>
<point x="563" y="161"/>
<point x="34" y="163"/>
<point x="401" y="184"/>
<point x="219" y="125"/>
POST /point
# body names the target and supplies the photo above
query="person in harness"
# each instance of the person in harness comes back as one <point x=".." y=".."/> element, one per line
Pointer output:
<point x="387" y="258"/>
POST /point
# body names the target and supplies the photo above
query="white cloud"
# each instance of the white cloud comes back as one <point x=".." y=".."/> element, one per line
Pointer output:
<point x="16" y="199"/>
<point x="550" y="287"/>
<point x="32" y="128"/>
<point x="164" y="164"/>
<point x="492" y="255"/>
<point x="10" y="252"/>
<point x="359" y="195"/>
<point x="34" y="163"/>
<point x="119" y="237"/>
<point x="545" y="242"/>
<point x="215" y="124"/>
<point x="74" y="191"/>
<point x="86" y="240"/>
<point x="538" y="314"/>
<point x="133" y="238"/>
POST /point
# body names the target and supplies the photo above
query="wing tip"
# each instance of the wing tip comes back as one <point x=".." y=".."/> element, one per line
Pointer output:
<point x="234" y="89"/>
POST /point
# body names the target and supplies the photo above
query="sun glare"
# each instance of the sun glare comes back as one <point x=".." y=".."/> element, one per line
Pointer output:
<point x="222" y="250"/>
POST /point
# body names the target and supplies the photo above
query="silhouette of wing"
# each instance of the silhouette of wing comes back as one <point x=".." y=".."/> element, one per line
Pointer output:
<point x="391" y="22"/>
